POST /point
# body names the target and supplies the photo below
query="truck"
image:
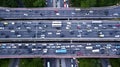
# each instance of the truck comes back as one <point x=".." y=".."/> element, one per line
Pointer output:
<point x="95" y="50"/>
<point x="61" y="51"/>
<point x="89" y="47"/>
<point x="96" y="21"/>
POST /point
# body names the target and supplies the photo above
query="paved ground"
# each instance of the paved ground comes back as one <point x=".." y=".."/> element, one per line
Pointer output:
<point x="61" y="62"/>
<point x="20" y="3"/>
<point x="105" y="62"/>
<point x="14" y="63"/>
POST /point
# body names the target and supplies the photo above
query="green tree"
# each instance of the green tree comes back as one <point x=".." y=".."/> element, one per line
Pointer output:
<point x="39" y="3"/>
<point x="93" y="3"/>
<point x="8" y="3"/>
<point x="28" y="3"/>
<point x="34" y="3"/>
<point x="88" y="3"/>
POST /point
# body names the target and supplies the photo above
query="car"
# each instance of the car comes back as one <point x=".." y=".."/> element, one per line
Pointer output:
<point x="71" y="65"/>
<point x="79" y="54"/>
<point x="115" y="14"/>
<point x="7" y="10"/>
<point x="57" y="14"/>
<point x="57" y="46"/>
<point x="45" y="50"/>
<point x="25" y="14"/>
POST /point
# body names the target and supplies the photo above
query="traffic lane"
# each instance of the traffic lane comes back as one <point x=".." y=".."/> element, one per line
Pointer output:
<point x="74" y="62"/>
<point x="61" y="12"/>
<point x="63" y="63"/>
<point x="52" y="62"/>
<point x="61" y="3"/>
<point x="57" y="62"/>
<point x="52" y="15"/>
<point x="70" y="62"/>
<point x="19" y="16"/>
<point x="105" y="62"/>
<point x="49" y="3"/>
<point x="80" y="50"/>
<point x="14" y="63"/>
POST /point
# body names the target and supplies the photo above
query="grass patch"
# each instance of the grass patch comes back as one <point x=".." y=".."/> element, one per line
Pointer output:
<point x="89" y="63"/>
<point x="115" y="62"/>
<point x="4" y="62"/>
<point x="27" y="3"/>
<point x="31" y="62"/>
<point x="93" y="3"/>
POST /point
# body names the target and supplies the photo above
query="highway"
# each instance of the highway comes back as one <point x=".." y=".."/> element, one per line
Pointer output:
<point x="47" y="38"/>
<point x="55" y="3"/>
<point x="49" y="3"/>
<point x="60" y="62"/>
<point x="69" y="29"/>
<point x="71" y="62"/>
<point x="60" y="50"/>
<point x="56" y="41"/>
<point x="105" y="63"/>
<point x="63" y="63"/>
<point x="56" y="13"/>
<point x="14" y="62"/>
<point x="50" y="62"/>
<point x="61" y="3"/>
<point x="20" y="3"/>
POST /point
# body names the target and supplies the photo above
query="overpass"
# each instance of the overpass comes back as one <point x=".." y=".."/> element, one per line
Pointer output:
<point x="62" y="13"/>
<point x="41" y="32"/>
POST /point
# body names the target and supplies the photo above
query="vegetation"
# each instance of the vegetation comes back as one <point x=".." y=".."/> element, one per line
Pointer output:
<point x="1" y="18"/>
<point x="97" y="62"/>
<point x="89" y="63"/>
<point x="8" y="3"/>
<point x="115" y="62"/>
<point x="31" y="63"/>
<point x="93" y="3"/>
<point x="27" y="3"/>
<point x="74" y="3"/>
<point x="34" y="3"/>
<point x="4" y="62"/>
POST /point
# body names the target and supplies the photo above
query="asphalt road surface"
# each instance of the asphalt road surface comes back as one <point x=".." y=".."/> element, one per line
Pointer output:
<point x="105" y="62"/>
<point x="14" y="63"/>
<point x="61" y="62"/>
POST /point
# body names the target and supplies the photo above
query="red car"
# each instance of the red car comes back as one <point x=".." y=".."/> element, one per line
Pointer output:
<point x="79" y="53"/>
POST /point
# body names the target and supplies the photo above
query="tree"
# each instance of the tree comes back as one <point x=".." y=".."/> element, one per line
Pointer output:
<point x="88" y="3"/>
<point x="39" y="3"/>
<point x="93" y="3"/>
<point x="8" y="3"/>
<point x="28" y="3"/>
